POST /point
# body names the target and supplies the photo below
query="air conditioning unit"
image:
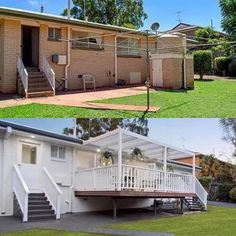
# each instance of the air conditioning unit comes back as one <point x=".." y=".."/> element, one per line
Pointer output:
<point x="59" y="59"/>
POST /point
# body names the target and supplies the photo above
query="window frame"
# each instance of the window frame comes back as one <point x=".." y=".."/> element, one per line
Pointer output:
<point x="129" y="49"/>
<point x="54" y="38"/>
<point x="57" y="158"/>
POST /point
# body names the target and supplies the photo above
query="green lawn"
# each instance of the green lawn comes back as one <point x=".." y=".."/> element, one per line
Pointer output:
<point x="210" y="99"/>
<point x="218" y="221"/>
<point x="42" y="232"/>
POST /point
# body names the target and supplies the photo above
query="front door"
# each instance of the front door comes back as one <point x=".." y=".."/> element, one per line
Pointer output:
<point x="157" y="73"/>
<point x="30" y="166"/>
<point x="30" y="46"/>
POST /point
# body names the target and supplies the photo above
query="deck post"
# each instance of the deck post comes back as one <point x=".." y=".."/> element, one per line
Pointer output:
<point x="182" y="206"/>
<point x="120" y="160"/>
<point x="114" y="208"/>
<point x="155" y="207"/>
<point x="194" y="173"/>
<point x="165" y="169"/>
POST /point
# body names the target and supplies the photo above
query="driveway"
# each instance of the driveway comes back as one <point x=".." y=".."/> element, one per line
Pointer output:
<point x="85" y="222"/>
<point x="224" y="204"/>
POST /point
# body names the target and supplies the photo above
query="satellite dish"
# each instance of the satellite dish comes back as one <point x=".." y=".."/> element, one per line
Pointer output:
<point x="155" y="26"/>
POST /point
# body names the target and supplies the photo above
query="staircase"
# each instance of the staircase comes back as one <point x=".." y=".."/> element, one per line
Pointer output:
<point x="38" y="85"/>
<point x="39" y="207"/>
<point x="193" y="204"/>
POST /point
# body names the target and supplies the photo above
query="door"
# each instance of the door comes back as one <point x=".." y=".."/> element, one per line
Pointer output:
<point x="30" y="166"/>
<point x="157" y="73"/>
<point x="30" y="46"/>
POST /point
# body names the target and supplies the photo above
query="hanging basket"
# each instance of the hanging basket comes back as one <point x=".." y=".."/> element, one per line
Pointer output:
<point x="137" y="154"/>
<point x="107" y="158"/>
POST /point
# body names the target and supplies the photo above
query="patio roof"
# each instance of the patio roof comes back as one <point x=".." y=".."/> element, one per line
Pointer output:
<point x="151" y="148"/>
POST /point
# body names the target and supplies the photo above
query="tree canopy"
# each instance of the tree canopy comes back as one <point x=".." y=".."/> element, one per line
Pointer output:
<point x="88" y="128"/>
<point x="228" y="9"/>
<point x="125" y="13"/>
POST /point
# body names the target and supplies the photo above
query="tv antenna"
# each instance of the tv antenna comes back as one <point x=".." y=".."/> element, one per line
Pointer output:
<point x="179" y="16"/>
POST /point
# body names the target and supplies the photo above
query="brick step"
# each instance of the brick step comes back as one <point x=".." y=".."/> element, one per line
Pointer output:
<point x="38" y="75"/>
<point x="39" y="90"/>
<point x="41" y="212"/>
<point x="41" y="94"/>
<point x="32" y="69"/>
<point x="41" y="217"/>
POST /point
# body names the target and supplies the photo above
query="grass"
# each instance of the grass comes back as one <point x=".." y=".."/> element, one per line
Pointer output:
<point x="210" y="99"/>
<point x="43" y="232"/>
<point x="218" y="221"/>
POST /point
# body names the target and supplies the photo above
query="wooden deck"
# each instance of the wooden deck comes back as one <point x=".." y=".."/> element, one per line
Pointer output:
<point x="132" y="194"/>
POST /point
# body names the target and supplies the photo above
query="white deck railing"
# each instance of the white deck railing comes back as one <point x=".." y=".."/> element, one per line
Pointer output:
<point x="23" y="74"/>
<point x="49" y="73"/>
<point x="132" y="178"/>
<point x="21" y="192"/>
<point x="52" y="192"/>
<point x="201" y="192"/>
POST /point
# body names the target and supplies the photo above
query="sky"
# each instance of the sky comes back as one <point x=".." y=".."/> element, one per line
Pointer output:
<point x="196" y="12"/>
<point x="200" y="135"/>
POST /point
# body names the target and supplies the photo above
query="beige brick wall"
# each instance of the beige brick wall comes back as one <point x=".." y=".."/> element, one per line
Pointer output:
<point x="1" y="53"/>
<point x="11" y="50"/>
<point x="190" y="73"/>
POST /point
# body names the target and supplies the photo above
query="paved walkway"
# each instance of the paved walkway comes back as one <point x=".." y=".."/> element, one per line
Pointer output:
<point x="87" y="222"/>
<point x="224" y="204"/>
<point x="83" y="99"/>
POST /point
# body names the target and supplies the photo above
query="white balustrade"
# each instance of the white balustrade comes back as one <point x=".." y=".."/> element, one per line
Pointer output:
<point x="21" y="192"/>
<point x="23" y="74"/>
<point x="49" y="73"/>
<point x="201" y="192"/>
<point x="52" y="191"/>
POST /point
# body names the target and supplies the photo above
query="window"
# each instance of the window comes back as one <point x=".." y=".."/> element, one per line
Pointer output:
<point x="29" y="154"/>
<point x="58" y="153"/>
<point x="128" y="47"/>
<point x="54" y="34"/>
<point x="85" y="40"/>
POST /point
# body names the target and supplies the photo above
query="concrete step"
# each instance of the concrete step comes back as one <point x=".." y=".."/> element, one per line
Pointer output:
<point x="38" y="202"/>
<point x="39" y="89"/>
<point x="36" y="194"/>
<point x="41" y="217"/>
<point x="41" y="212"/>
<point x="32" y="69"/>
<point x="36" y="207"/>
<point x="37" y="198"/>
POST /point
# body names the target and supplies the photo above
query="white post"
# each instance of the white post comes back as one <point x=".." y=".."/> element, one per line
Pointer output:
<point x="116" y="61"/>
<point x="58" y="213"/>
<point x="165" y="168"/>
<point x="119" y="160"/>
<point x="25" y="214"/>
<point x="194" y="173"/>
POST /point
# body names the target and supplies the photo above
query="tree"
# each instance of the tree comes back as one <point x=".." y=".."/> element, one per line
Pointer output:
<point x="203" y="35"/>
<point x="228" y="9"/>
<point x="229" y="127"/>
<point x="202" y="62"/>
<point x="89" y="128"/>
<point x="126" y="13"/>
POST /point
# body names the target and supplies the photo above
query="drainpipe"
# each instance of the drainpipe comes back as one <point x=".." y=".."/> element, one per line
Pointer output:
<point x="185" y="64"/>
<point x="116" y="61"/>
<point x="68" y="58"/>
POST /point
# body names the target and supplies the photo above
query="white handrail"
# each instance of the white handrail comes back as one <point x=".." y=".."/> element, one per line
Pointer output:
<point x="23" y="74"/>
<point x="52" y="192"/>
<point x="21" y="191"/>
<point x="201" y="192"/>
<point x="49" y="73"/>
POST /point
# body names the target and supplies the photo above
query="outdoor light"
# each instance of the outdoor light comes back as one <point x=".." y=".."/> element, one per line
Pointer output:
<point x="32" y="136"/>
<point x="98" y="150"/>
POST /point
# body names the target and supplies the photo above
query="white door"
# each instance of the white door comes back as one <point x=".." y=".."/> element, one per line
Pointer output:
<point x="30" y="166"/>
<point x="157" y="73"/>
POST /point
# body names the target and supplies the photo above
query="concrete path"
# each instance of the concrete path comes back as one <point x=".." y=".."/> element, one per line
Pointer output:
<point x="224" y="204"/>
<point x="87" y="222"/>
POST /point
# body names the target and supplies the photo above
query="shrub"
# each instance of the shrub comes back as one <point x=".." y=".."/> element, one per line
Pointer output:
<point x="232" y="68"/>
<point x="206" y="181"/>
<point x="223" y="192"/>
<point x="232" y="194"/>
<point x="202" y="62"/>
<point x="222" y="64"/>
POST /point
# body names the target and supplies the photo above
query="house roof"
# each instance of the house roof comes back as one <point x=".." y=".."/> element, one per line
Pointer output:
<point x="40" y="132"/>
<point x="184" y="26"/>
<point x="151" y="148"/>
<point x="13" y="12"/>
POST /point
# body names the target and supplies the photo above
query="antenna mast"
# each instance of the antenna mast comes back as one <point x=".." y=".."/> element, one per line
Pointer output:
<point x="179" y="16"/>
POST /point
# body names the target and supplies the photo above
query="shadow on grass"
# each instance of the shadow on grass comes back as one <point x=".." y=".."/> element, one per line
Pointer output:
<point x="204" y="80"/>
<point x="176" y="106"/>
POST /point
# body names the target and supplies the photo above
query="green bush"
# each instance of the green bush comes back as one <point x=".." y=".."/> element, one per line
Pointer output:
<point x="222" y="65"/>
<point x="223" y="192"/>
<point x="232" y="194"/>
<point x="206" y="181"/>
<point x="202" y="62"/>
<point x="232" y="68"/>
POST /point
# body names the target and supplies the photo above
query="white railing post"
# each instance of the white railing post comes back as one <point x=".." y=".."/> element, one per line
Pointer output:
<point x="25" y="215"/>
<point x="58" y="212"/>
<point x="50" y="74"/>
<point x="120" y="161"/>
<point x="165" y="169"/>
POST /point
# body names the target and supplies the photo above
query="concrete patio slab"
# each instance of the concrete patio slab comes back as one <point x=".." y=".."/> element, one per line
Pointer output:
<point x="85" y="99"/>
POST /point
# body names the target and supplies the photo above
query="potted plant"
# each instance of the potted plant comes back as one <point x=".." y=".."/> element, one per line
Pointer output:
<point x="107" y="158"/>
<point x="137" y="154"/>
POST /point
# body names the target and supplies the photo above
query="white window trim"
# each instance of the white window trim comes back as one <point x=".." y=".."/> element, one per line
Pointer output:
<point x="57" y="159"/>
